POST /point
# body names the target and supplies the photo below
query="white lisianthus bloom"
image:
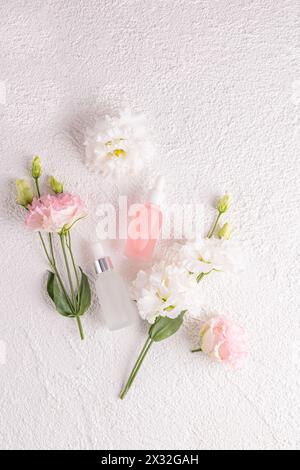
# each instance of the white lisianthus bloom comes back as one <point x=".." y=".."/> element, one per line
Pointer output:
<point x="211" y="254"/>
<point x="165" y="290"/>
<point x="117" y="146"/>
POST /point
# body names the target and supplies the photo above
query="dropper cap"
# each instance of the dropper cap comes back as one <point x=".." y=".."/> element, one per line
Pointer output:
<point x="156" y="193"/>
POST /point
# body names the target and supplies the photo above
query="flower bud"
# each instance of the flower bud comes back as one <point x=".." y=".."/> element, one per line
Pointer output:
<point x="225" y="232"/>
<point x="36" y="169"/>
<point x="224" y="203"/>
<point x="56" y="186"/>
<point x="24" y="193"/>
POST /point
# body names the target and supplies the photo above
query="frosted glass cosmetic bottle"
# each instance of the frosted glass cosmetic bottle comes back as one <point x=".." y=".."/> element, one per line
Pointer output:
<point x="148" y="221"/>
<point x="118" y="310"/>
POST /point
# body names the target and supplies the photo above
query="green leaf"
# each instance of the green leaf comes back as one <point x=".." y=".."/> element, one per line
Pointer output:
<point x="50" y="285"/>
<point x="85" y="294"/>
<point x="165" y="327"/>
<point x="58" y="297"/>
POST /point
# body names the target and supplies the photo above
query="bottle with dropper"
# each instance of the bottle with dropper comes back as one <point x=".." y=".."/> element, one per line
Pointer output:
<point x="144" y="229"/>
<point x="118" y="310"/>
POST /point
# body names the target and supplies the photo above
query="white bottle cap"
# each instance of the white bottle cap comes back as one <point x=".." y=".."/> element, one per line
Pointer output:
<point x="156" y="193"/>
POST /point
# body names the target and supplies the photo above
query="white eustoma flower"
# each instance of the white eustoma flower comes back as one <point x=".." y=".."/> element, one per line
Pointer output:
<point x="211" y="254"/>
<point x="165" y="290"/>
<point x="118" y="145"/>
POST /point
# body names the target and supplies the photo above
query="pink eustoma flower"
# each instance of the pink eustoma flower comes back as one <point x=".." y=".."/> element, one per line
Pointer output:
<point x="52" y="213"/>
<point x="223" y="340"/>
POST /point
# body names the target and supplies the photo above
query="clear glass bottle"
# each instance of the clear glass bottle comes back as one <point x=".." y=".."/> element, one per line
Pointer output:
<point x="148" y="219"/>
<point x="118" y="310"/>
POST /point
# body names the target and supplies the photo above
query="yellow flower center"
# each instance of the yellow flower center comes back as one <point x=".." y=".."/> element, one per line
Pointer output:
<point x="115" y="152"/>
<point x="120" y="153"/>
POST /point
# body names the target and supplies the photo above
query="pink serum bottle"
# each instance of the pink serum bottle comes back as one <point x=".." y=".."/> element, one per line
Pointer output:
<point x="144" y="229"/>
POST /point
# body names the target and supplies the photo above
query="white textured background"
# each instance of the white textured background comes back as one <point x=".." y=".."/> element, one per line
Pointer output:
<point x="220" y="84"/>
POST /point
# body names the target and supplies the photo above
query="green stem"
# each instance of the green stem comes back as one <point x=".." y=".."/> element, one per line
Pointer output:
<point x="37" y="186"/>
<point x="69" y="245"/>
<point x="200" y="277"/>
<point x="52" y="263"/>
<point x="51" y="248"/>
<point x="80" y="327"/>
<point x="136" y="367"/>
<point x="56" y="271"/>
<point x="210" y="234"/>
<point x="62" y="241"/>
<point x="196" y="350"/>
<point x="139" y="360"/>
<point x="53" y="266"/>
<point x="45" y="249"/>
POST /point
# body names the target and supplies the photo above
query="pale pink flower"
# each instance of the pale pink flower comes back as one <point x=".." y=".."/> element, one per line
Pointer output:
<point x="52" y="213"/>
<point x="223" y="340"/>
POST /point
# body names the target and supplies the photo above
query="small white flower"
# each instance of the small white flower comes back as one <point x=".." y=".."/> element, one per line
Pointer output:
<point x="117" y="146"/>
<point x="165" y="290"/>
<point x="211" y="254"/>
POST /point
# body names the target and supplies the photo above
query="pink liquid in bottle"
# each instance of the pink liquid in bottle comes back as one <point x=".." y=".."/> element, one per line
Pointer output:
<point x="144" y="229"/>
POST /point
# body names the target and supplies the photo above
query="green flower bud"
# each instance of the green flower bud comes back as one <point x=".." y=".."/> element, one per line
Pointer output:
<point x="224" y="203"/>
<point x="36" y="169"/>
<point x="225" y="232"/>
<point x="56" y="186"/>
<point x="24" y="193"/>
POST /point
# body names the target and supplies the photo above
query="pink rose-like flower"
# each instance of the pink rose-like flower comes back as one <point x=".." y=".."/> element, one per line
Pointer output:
<point x="223" y="340"/>
<point x="50" y="213"/>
